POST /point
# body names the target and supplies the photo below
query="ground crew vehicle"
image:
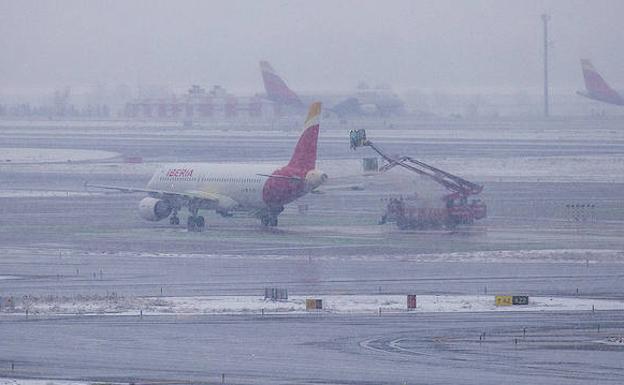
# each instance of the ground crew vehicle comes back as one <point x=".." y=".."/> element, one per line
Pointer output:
<point x="460" y="205"/>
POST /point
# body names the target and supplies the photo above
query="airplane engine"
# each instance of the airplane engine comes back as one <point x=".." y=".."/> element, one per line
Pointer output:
<point x="314" y="178"/>
<point x="153" y="209"/>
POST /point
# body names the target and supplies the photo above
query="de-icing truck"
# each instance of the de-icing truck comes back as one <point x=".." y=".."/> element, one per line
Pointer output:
<point x="459" y="206"/>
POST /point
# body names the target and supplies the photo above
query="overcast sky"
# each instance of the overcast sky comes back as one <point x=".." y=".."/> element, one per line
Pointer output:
<point x="315" y="45"/>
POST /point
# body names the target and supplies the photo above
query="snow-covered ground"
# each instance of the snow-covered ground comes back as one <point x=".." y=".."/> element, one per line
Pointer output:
<point x="590" y="168"/>
<point x="28" y="381"/>
<point x="51" y="155"/>
<point x="613" y="341"/>
<point x="579" y="168"/>
<point x="490" y="256"/>
<point x="340" y="304"/>
<point x="529" y="130"/>
<point x="595" y="168"/>
<point x="44" y="194"/>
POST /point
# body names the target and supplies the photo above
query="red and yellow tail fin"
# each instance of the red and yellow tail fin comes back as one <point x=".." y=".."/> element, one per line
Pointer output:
<point x="304" y="156"/>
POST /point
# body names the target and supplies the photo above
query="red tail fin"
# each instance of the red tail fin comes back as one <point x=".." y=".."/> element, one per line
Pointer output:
<point x="276" y="88"/>
<point x="596" y="85"/>
<point x="304" y="157"/>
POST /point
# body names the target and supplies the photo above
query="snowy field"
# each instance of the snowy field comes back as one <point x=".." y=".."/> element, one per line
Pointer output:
<point x="590" y="168"/>
<point x="51" y="381"/>
<point x="552" y="256"/>
<point x="558" y="129"/>
<point x="45" y="194"/>
<point x="585" y="167"/>
<point x="339" y="304"/>
<point x="47" y="155"/>
<point x="613" y="341"/>
<point x="28" y="381"/>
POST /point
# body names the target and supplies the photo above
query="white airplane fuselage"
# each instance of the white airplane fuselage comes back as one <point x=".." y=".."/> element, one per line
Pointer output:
<point x="240" y="182"/>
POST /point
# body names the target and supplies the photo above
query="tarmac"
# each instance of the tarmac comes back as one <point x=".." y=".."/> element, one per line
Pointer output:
<point x="56" y="239"/>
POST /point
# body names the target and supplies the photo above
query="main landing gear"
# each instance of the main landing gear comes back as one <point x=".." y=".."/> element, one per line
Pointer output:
<point x="269" y="217"/>
<point x="195" y="223"/>
<point x="269" y="221"/>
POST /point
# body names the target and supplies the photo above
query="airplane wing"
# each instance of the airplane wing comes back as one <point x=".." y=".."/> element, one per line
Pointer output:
<point x="202" y="195"/>
<point x="122" y="189"/>
<point x="355" y="182"/>
<point x="282" y="177"/>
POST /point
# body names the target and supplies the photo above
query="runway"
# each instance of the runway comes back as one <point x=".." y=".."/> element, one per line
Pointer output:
<point x="548" y="348"/>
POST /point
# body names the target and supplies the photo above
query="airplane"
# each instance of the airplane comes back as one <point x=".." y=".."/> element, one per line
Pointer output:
<point x="366" y="101"/>
<point x="259" y="190"/>
<point x="596" y="87"/>
<point x="276" y="88"/>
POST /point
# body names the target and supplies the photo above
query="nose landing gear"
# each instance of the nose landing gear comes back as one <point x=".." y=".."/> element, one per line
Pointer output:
<point x="173" y="219"/>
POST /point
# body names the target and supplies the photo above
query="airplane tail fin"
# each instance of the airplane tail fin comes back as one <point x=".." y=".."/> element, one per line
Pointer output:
<point x="304" y="156"/>
<point x="276" y="88"/>
<point x="596" y="86"/>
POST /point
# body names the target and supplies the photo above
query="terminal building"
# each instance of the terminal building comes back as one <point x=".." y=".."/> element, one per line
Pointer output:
<point x="197" y="104"/>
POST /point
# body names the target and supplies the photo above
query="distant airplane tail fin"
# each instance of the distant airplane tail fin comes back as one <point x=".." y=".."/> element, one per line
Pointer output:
<point x="596" y="86"/>
<point x="276" y="88"/>
<point x="304" y="156"/>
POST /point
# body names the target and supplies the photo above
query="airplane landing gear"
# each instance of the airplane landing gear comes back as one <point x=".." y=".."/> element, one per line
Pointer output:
<point x="269" y="217"/>
<point x="270" y="221"/>
<point x="173" y="219"/>
<point x="195" y="223"/>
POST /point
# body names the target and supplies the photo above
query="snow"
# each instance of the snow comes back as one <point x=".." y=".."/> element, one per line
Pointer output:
<point x="87" y="169"/>
<point x="493" y="256"/>
<point x="530" y="131"/>
<point x="51" y="155"/>
<point x="362" y="304"/>
<point x="339" y="304"/>
<point x="613" y="341"/>
<point x="43" y="194"/>
<point x="591" y="168"/>
<point x="25" y="381"/>
<point x="525" y="256"/>
<point x="577" y="168"/>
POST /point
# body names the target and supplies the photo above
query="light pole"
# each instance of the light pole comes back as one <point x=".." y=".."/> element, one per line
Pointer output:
<point x="545" y="19"/>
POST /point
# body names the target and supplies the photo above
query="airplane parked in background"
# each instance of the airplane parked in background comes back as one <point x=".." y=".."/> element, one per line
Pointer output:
<point x="596" y="88"/>
<point x="365" y="101"/>
<point x="276" y="89"/>
<point x="257" y="189"/>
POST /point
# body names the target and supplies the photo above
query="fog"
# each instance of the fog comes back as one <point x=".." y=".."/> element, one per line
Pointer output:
<point x="320" y="45"/>
<point x="171" y="215"/>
